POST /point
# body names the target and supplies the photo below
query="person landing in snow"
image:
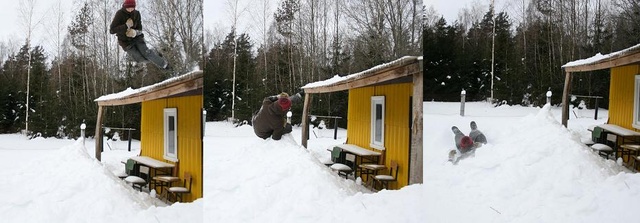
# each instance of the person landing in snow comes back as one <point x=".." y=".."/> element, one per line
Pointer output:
<point x="127" y="25"/>
<point x="270" y="120"/>
<point x="466" y="145"/>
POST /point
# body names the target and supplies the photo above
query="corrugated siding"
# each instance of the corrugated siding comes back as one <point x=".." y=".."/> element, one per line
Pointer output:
<point x="396" y="139"/>
<point x="189" y="136"/>
<point x="621" y="95"/>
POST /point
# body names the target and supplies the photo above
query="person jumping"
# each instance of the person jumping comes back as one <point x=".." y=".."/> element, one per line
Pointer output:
<point x="127" y="25"/>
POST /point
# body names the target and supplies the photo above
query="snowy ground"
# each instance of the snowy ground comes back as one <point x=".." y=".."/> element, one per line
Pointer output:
<point x="532" y="170"/>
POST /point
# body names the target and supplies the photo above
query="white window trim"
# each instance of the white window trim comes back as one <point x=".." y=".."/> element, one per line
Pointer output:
<point x="170" y="112"/>
<point x="377" y="100"/>
<point x="636" y="103"/>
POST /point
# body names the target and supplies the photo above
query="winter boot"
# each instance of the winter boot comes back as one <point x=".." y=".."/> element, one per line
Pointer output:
<point x="457" y="136"/>
<point x="476" y="135"/>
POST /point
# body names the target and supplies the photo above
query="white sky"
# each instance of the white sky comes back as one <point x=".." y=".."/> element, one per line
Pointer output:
<point x="449" y="9"/>
<point x="218" y="18"/>
<point x="15" y="26"/>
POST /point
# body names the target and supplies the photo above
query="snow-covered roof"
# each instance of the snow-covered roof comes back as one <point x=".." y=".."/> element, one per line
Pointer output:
<point x="337" y="79"/>
<point x="599" y="58"/>
<point x="132" y="93"/>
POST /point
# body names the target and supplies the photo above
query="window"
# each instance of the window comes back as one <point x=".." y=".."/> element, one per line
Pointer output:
<point x="377" y="122"/>
<point x="171" y="134"/>
<point x="636" y="104"/>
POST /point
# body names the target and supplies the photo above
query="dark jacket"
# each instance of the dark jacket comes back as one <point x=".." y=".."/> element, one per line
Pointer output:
<point x="270" y="120"/>
<point x="119" y="26"/>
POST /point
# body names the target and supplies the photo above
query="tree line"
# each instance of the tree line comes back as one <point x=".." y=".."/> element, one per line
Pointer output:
<point x="306" y="41"/>
<point x="86" y="63"/>
<point x="531" y="45"/>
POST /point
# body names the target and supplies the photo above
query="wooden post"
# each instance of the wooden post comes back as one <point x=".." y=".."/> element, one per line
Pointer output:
<point x="335" y="127"/>
<point x="305" y="119"/>
<point x="415" y="169"/>
<point x="463" y="94"/>
<point x="129" y="146"/>
<point x="98" y="134"/>
<point x="565" y="98"/>
<point x="596" y="115"/>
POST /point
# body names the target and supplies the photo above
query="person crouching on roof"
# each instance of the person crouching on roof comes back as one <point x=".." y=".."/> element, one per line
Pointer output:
<point x="270" y="120"/>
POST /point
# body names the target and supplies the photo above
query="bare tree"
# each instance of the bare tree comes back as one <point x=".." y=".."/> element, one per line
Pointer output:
<point x="56" y="30"/>
<point x="27" y="11"/>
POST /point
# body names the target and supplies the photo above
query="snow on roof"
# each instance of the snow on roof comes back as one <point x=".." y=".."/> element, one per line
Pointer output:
<point x="599" y="57"/>
<point x="337" y="79"/>
<point x="130" y="92"/>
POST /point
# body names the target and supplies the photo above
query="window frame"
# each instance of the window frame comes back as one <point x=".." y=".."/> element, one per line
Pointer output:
<point x="168" y="112"/>
<point x="377" y="100"/>
<point x="636" y="103"/>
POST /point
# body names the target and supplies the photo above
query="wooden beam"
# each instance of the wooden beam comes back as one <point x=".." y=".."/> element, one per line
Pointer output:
<point x="161" y="93"/>
<point x="609" y="63"/>
<point x="305" y="118"/>
<point x="98" y="135"/>
<point x="415" y="171"/>
<point x="565" y="98"/>
<point x="406" y="70"/>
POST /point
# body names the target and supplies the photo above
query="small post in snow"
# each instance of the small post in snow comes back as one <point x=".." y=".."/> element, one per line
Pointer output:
<point x="549" y="96"/>
<point x="462" y="98"/>
<point x="82" y="128"/>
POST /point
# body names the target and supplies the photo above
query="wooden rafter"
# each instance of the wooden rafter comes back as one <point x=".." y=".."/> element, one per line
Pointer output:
<point x="162" y="93"/>
<point x="606" y="64"/>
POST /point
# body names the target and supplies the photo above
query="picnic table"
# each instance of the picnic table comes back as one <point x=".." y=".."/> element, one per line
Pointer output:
<point x="622" y="134"/>
<point x="370" y="155"/>
<point x="155" y="165"/>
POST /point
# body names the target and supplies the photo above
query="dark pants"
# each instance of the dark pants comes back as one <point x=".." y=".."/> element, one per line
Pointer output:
<point x="139" y="51"/>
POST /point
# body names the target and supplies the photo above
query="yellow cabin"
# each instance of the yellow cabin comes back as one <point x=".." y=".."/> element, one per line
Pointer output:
<point x="171" y="125"/>
<point x="624" y="89"/>
<point x="385" y="114"/>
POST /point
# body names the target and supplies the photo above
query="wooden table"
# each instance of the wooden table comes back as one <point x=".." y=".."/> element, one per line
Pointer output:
<point x="622" y="134"/>
<point x="154" y="164"/>
<point x="360" y="153"/>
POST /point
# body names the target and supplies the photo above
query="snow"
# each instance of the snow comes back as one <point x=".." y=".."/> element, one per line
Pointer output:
<point x="338" y="78"/>
<point x="532" y="170"/>
<point x="599" y="57"/>
<point x="130" y="92"/>
<point x="54" y="180"/>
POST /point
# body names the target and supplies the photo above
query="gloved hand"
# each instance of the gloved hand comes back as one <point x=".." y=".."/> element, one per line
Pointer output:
<point x="131" y="33"/>
<point x="129" y="23"/>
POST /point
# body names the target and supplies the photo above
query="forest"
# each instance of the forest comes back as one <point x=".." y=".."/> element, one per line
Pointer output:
<point x="304" y="41"/>
<point x="533" y="39"/>
<point x="51" y="94"/>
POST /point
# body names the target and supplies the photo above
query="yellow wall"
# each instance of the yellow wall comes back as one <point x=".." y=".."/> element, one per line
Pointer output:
<point x="396" y="130"/>
<point x="189" y="136"/>
<point x="621" y="95"/>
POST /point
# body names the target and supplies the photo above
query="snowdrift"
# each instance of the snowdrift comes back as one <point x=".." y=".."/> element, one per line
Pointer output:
<point x="280" y="181"/>
<point x="70" y="186"/>
<point x="532" y="170"/>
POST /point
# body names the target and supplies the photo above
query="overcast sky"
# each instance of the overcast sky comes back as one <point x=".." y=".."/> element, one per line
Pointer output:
<point x="218" y="17"/>
<point x="449" y="9"/>
<point x="15" y="27"/>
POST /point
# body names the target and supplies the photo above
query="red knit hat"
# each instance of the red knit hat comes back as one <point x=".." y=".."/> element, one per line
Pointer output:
<point x="466" y="142"/>
<point x="285" y="103"/>
<point x="129" y="4"/>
